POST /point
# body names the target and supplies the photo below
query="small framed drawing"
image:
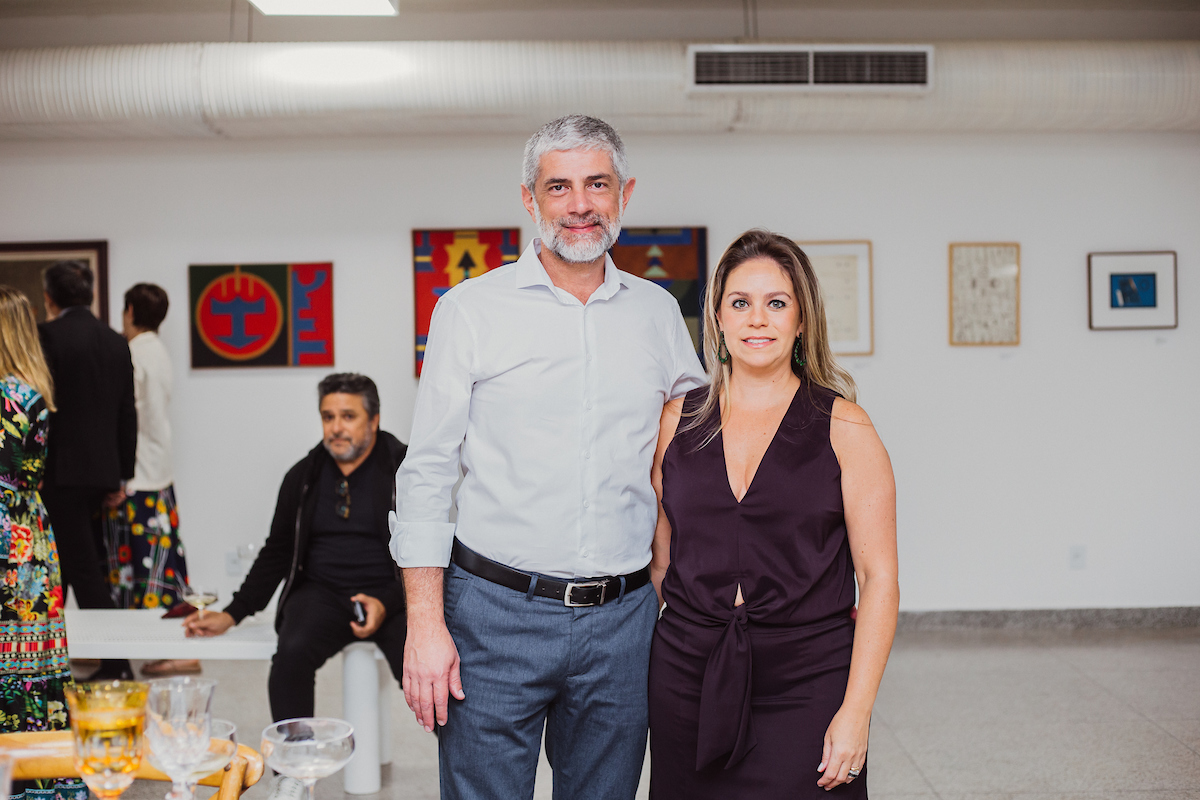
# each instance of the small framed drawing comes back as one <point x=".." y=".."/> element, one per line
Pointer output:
<point x="22" y="265"/>
<point x="1130" y="291"/>
<point x="844" y="271"/>
<point x="985" y="293"/>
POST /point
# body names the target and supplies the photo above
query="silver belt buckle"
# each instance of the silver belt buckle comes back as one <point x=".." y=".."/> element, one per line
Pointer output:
<point x="586" y="585"/>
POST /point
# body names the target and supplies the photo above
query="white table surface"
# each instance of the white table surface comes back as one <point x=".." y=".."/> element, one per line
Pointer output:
<point x="143" y="634"/>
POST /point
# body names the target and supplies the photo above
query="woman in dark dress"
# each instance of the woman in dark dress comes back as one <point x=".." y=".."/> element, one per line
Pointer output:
<point x="776" y="495"/>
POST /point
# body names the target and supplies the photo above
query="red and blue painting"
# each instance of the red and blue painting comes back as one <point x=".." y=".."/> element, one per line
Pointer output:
<point x="261" y="315"/>
<point x="442" y="259"/>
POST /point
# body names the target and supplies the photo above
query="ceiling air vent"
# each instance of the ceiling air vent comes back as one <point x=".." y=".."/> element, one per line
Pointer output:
<point x="809" y="68"/>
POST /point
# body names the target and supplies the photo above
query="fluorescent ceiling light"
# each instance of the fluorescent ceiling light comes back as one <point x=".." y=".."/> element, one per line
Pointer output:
<point x="328" y="8"/>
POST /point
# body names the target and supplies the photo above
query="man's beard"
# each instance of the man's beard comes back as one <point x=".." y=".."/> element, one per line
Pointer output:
<point x="582" y="252"/>
<point x="348" y="455"/>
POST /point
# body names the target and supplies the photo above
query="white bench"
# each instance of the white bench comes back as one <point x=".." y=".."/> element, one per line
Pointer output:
<point x="144" y="634"/>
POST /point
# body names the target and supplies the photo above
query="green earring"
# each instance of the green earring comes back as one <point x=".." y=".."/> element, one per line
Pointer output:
<point x="724" y="359"/>
<point x="798" y="351"/>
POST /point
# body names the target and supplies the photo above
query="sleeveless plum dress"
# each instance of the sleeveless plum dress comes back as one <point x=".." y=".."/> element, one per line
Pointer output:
<point x="740" y="698"/>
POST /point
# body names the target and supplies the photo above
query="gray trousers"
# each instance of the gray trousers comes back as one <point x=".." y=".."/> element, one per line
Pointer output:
<point x="529" y="663"/>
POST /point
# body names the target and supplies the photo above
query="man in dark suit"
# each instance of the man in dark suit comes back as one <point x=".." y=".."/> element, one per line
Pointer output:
<point x="93" y="434"/>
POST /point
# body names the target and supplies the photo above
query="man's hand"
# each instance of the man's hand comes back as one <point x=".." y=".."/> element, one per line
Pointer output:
<point x="376" y="613"/>
<point x="431" y="673"/>
<point x="431" y="664"/>
<point x="212" y="623"/>
<point x="114" y="499"/>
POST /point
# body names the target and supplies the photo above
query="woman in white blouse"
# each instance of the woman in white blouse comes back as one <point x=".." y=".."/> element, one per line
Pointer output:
<point x="145" y="554"/>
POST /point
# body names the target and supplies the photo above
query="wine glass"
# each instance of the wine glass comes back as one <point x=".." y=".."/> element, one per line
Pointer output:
<point x="106" y="723"/>
<point x="178" y="728"/>
<point x="200" y="763"/>
<point x="198" y="596"/>
<point x="308" y="749"/>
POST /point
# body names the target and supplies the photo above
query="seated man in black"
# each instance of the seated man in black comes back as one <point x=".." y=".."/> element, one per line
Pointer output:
<point x="329" y="544"/>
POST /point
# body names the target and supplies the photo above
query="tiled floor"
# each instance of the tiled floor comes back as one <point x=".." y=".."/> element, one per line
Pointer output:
<point x="978" y="715"/>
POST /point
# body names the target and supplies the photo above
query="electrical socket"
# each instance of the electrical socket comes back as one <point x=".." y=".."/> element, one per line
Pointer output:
<point x="233" y="564"/>
<point x="1078" y="556"/>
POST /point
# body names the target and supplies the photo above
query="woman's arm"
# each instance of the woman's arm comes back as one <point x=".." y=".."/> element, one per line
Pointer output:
<point x="869" y="499"/>
<point x="660" y="550"/>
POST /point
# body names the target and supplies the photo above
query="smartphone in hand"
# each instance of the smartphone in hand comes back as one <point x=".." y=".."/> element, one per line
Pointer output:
<point x="360" y="613"/>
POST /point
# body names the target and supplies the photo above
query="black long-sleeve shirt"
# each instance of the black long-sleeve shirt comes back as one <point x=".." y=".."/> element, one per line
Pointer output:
<point x="285" y="554"/>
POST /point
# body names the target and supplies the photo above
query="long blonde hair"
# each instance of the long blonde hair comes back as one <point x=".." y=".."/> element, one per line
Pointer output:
<point x="20" y="349"/>
<point x="819" y="368"/>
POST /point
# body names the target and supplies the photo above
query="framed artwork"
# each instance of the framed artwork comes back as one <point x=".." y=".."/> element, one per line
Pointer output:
<point x="1132" y="291"/>
<point x="844" y="271"/>
<point x="261" y="315"/>
<point x="674" y="258"/>
<point x="442" y="259"/>
<point x="985" y="293"/>
<point x="22" y="265"/>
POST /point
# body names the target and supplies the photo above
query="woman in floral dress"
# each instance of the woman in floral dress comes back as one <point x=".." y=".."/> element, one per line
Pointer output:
<point x="33" y="635"/>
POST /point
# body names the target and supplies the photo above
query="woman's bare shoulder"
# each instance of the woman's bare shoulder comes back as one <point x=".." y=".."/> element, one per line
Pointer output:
<point x="851" y="432"/>
<point x="847" y="413"/>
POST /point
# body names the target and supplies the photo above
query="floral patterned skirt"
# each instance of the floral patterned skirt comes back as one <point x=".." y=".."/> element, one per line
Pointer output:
<point x="34" y="665"/>
<point x="146" y="565"/>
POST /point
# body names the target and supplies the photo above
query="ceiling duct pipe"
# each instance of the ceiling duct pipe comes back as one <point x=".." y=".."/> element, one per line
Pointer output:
<point x="323" y="89"/>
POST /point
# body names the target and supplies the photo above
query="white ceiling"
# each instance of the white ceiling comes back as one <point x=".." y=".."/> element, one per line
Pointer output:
<point x="51" y="23"/>
<point x="47" y="8"/>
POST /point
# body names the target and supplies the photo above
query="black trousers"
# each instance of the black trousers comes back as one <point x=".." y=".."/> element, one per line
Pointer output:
<point x="75" y="517"/>
<point x="316" y="626"/>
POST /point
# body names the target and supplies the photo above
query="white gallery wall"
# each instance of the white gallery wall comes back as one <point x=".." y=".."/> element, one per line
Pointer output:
<point x="1006" y="458"/>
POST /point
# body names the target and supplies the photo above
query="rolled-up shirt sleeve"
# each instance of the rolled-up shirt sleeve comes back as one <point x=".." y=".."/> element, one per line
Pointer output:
<point x="422" y="535"/>
<point x="689" y="374"/>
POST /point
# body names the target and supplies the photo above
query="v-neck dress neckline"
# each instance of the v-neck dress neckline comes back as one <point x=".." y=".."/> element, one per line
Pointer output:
<point x="770" y="445"/>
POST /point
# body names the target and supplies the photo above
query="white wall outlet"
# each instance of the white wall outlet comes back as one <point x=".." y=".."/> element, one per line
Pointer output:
<point x="1078" y="556"/>
<point x="233" y="564"/>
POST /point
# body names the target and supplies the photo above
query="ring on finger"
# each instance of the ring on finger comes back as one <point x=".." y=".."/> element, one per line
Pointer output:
<point x="855" y="772"/>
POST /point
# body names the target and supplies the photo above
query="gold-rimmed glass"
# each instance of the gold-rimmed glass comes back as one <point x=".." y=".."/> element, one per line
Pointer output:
<point x="107" y="720"/>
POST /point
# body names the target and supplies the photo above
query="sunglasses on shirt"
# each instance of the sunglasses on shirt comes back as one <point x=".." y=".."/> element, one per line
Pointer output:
<point x="342" y="508"/>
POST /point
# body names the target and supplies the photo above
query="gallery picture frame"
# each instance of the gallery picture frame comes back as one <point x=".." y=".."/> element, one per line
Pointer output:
<point x="265" y="315"/>
<point x="984" y="289"/>
<point x="1133" y="290"/>
<point x="845" y="269"/>
<point x="22" y="263"/>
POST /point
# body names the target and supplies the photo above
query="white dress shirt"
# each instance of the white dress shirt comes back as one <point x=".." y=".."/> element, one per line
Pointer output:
<point x="552" y="408"/>
<point x="152" y="393"/>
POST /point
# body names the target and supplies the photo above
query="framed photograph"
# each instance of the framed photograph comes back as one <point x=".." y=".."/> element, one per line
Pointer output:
<point x="985" y="293"/>
<point x="1132" y="291"/>
<point x="845" y="272"/>
<point x="22" y="265"/>
<point x="442" y="259"/>
<point x="674" y="258"/>
<point x="261" y="315"/>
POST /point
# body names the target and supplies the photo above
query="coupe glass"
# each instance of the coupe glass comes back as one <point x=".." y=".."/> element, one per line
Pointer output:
<point x="178" y="726"/>
<point x="106" y="723"/>
<point x="308" y="749"/>
<point x="198" y="596"/>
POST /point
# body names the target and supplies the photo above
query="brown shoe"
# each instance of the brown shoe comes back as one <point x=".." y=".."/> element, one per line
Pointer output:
<point x="170" y="666"/>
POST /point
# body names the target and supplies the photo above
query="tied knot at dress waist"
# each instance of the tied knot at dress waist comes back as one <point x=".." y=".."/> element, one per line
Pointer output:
<point x="725" y="725"/>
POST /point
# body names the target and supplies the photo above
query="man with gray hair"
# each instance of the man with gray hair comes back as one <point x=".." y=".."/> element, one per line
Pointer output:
<point x="544" y="380"/>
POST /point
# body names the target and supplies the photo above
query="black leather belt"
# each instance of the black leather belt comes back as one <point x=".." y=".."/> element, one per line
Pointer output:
<point x="590" y="592"/>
